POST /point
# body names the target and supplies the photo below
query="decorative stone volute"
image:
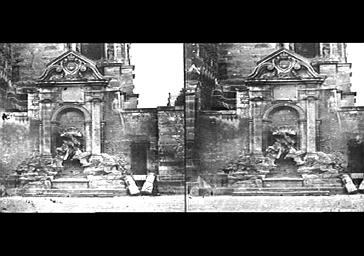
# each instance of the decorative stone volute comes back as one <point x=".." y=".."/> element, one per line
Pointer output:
<point x="71" y="67"/>
<point x="282" y="65"/>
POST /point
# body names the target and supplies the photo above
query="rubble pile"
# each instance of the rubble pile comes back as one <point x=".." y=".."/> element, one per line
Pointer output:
<point x="246" y="164"/>
<point x="107" y="172"/>
<point x="108" y="164"/>
<point x="315" y="162"/>
<point x="36" y="171"/>
<point x="248" y="170"/>
<point x="316" y="168"/>
<point x="321" y="162"/>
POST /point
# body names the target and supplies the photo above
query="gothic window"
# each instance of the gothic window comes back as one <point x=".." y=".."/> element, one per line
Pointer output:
<point x="93" y="51"/>
<point x="308" y="50"/>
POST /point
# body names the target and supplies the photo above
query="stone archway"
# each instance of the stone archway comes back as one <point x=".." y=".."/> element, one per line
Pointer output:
<point x="71" y="116"/>
<point x="283" y="139"/>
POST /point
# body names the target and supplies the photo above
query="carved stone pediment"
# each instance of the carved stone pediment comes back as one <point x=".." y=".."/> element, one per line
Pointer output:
<point x="284" y="65"/>
<point x="71" y="66"/>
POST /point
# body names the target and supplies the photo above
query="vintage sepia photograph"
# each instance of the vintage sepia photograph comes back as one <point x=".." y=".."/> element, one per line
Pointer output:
<point x="181" y="127"/>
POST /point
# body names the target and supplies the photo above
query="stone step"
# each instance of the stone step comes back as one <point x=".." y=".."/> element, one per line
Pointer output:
<point x="74" y="192"/>
<point x="171" y="183"/>
<point x="170" y="177"/>
<point x="171" y="190"/>
<point x="71" y="179"/>
<point x="273" y="179"/>
<point x="277" y="190"/>
<point x="70" y="183"/>
<point x="282" y="193"/>
<point x="290" y="189"/>
<point x="283" y="182"/>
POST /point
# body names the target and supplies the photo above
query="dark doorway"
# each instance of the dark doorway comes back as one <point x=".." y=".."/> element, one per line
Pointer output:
<point x="355" y="156"/>
<point x="139" y="154"/>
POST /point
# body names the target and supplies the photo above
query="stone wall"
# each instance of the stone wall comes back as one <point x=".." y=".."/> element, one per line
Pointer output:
<point x="201" y="66"/>
<point x="220" y="137"/>
<point x="122" y="128"/>
<point x="171" y="147"/>
<point x="354" y="138"/>
<point x="330" y="130"/>
<point x="18" y="140"/>
<point x="239" y="59"/>
<point x="160" y="129"/>
<point x="337" y="75"/>
<point x="352" y="121"/>
<point x="30" y="59"/>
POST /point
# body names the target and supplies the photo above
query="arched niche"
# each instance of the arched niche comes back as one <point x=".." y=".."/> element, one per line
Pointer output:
<point x="71" y="116"/>
<point x="287" y="116"/>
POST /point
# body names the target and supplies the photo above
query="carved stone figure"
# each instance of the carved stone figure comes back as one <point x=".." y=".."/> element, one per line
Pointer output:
<point x="71" y="148"/>
<point x="284" y="146"/>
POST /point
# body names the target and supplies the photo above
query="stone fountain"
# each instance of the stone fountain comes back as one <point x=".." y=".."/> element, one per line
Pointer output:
<point x="283" y="165"/>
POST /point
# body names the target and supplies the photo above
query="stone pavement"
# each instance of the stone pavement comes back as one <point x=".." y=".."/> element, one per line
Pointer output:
<point x="93" y="204"/>
<point x="175" y="203"/>
<point x="334" y="203"/>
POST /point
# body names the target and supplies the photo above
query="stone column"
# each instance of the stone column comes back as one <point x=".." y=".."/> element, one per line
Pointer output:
<point x="96" y="128"/>
<point x="40" y="138"/>
<point x="190" y="119"/>
<point x="311" y="124"/>
<point x="118" y="54"/>
<point x="126" y="54"/>
<point x="102" y="133"/>
<point x="251" y="135"/>
<point x="74" y="47"/>
<point x="242" y="104"/>
<point x="46" y="128"/>
<point x="318" y="129"/>
<point x="88" y="139"/>
<point x="256" y="127"/>
<point x="303" y="134"/>
<point x="286" y="46"/>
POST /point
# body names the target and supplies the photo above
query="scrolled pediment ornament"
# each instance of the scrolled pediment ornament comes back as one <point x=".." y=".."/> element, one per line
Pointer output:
<point x="71" y="66"/>
<point x="284" y="64"/>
